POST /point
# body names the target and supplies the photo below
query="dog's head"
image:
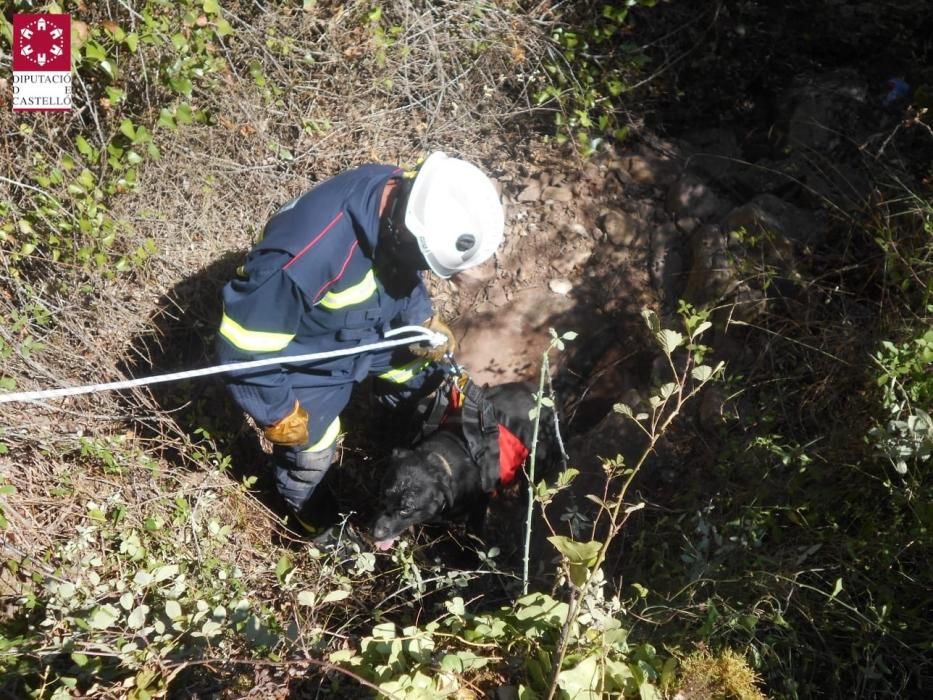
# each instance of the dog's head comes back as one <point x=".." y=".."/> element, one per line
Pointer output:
<point x="416" y="490"/>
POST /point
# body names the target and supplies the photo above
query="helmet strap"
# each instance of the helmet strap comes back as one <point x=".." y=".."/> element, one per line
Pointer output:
<point x="395" y="239"/>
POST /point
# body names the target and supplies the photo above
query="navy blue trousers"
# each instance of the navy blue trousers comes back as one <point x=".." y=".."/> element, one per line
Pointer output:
<point x="396" y="384"/>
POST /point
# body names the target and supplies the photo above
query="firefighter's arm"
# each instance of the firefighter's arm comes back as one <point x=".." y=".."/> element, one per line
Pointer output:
<point x="419" y="308"/>
<point x="421" y="312"/>
<point x="262" y="310"/>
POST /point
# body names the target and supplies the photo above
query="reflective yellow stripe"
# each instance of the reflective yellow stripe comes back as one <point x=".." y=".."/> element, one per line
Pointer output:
<point x="329" y="437"/>
<point x="253" y="341"/>
<point x="402" y="374"/>
<point x="351" y="295"/>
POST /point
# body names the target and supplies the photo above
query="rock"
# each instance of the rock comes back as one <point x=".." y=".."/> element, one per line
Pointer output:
<point x="497" y="296"/>
<point x="687" y="224"/>
<point x="560" y="286"/>
<point x="690" y="196"/>
<point x="711" y="272"/>
<point x="648" y="170"/>
<point x="774" y="219"/>
<point x="558" y="194"/>
<point x="822" y="110"/>
<point x="712" y="410"/>
<point x="667" y="263"/>
<point x="579" y="229"/>
<point x="712" y="152"/>
<point x="531" y="192"/>
<point x="621" y="228"/>
<point x="770" y="176"/>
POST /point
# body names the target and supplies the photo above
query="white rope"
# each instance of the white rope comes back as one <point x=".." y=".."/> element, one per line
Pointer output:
<point x="421" y="333"/>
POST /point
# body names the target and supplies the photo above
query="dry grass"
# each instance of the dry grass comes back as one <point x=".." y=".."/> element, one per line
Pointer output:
<point x="337" y="89"/>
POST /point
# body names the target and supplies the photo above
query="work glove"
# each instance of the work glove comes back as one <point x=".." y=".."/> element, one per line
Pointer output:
<point x="291" y="431"/>
<point x="437" y="353"/>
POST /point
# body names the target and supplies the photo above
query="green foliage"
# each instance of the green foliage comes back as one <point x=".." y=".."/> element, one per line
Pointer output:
<point x="906" y="433"/>
<point x="436" y="659"/>
<point x="587" y="73"/>
<point x="65" y="189"/>
<point x="123" y="600"/>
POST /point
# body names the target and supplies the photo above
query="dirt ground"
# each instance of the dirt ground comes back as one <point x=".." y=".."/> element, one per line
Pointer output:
<point x="557" y="269"/>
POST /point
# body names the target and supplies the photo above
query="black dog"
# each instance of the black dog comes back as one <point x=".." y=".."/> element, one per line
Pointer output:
<point x="447" y="475"/>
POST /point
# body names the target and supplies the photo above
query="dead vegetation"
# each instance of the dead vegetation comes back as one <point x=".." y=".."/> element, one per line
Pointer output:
<point x="161" y="493"/>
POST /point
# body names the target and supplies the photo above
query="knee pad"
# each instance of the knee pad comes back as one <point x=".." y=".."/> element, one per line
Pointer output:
<point x="297" y="474"/>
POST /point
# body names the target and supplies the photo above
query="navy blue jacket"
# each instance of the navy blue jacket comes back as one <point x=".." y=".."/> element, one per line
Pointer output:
<point x="310" y="286"/>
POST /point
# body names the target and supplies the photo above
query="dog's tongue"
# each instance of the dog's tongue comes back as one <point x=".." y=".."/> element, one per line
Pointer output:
<point x="384" y="545"/>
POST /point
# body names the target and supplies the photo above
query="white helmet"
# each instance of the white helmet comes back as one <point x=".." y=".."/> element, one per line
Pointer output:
<point x="455" y="214"/>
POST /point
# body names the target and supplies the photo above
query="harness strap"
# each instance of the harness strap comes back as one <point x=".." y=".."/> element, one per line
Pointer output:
<point x="438" y="412"/>
<point x="481" y="431"/>
<point x="462" y="402"/>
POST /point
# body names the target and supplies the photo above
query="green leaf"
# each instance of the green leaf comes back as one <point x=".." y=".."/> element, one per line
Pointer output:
<point x="184" y="114"/>
<point x="181" y="85"/>
<point x="455" y="606"/>
<point x="702" y="373"/>
<point x="163" y="573"/>
<point x="166" y="119"/>
<point x="385" y="631"/>
<point x="94" y="51"/>
<point x="583" y="680"/>
<point x="335" y="596"/>
<point x="307" y="598"/>
<point x="103" y="617"/>
<point x="211" y="7"/>
<point x="647" y="691"/>
<point x="700" y="329"/>
<point x="127" y="129"/>
<point x="669" y="340"/>
<point x="137" y="618"/>
<point x="282" y="568"/>
<point x="462" y="661"/>
<point x="579" y="573"/>
<point x="837" y="589"/>
<point x="576" y="552"/>
<point x="173" y="609"/>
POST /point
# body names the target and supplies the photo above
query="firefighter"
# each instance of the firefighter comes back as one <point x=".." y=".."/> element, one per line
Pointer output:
<point x="336" y="267"/>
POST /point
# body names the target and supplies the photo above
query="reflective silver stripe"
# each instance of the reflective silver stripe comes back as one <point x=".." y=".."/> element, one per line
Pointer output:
<point x="402" y="374"/>
<point x="356" y="294"/>
<point x="328" y="439"/>
<point x="253" y="341"/>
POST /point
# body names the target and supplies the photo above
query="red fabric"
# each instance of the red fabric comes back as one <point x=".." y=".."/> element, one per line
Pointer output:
<point x="512" y="454"/>
<point x="512" y="451"/>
